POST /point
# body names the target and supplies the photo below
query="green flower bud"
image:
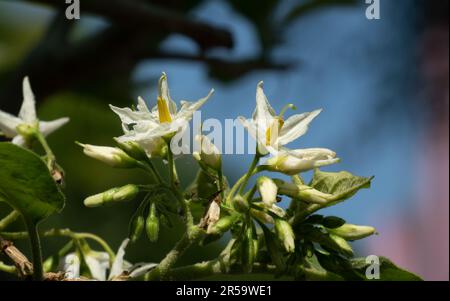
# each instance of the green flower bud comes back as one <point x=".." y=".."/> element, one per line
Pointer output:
<point x="152" y="224"/>
<point x="353" y="232"/>
<point x="248" y="250"/>
<point x="284" y="232"/>
<point x="302" y="192"/>
<point x="133" y="149"/>
<point x="224" y="224"/>
<point x="240" y="204"/>
<point x="117" y="194"/>
<point x="112" y="156"/>
<point x="343" y="245"/>
<point x="136" y="227"/>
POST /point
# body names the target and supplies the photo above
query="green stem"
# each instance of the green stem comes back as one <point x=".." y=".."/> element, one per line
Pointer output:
<point x="38" y="271"/>
<point x="239" y="182"/>
<point x="7" y="268"/>
<point x="51" y="159"/>
<point x="174" y="182"/>
<point x="221" y="186"/>
<point x="10" y="218"/>
<point x="249" y="172"/>
<point x="62" y="233"/>
<point x="162" y="270"/>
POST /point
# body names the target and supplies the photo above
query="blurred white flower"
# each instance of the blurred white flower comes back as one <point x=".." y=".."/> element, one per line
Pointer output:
<point x="99" y="265"/>
<point x="27" y="116"/>
<point x="149" y="127"/>
<point x="271" y="131"/>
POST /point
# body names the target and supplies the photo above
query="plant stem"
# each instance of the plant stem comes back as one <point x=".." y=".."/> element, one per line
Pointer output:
<point x="62" y="233"/>
<point x="7" y="268"/>
<point x="10" y="218"/>
<point x="161" y="271"/>
<point x="38" y="271"/>
<point x="51" y="159"/>
<point x="221" y="186"/>
<point x="239" y="182"/>
<point x="249" y="172"/>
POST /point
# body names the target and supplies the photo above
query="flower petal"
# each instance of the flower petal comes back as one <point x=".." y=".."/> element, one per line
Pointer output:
<point x="117" y="266"/>
<point x="165" y="95"/>
<point x="18" y="140"/>
<point x="264" y="110"/>
<point x="295" y="126"/>
<point x="141" y="269"/>
<point x="70" y="264"/>
<point x="98" y="264"/>
<point x="28" y="110"/>
<point x="129" y="116"/>
<point x="188" y="108"/>
<point x="8" y="124"/>
<point x="48" y="127"/>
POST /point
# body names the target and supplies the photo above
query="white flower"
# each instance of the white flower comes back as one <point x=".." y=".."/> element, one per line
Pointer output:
<point x="292" y="162"/>
<point x="148" y="127"/>
<point x="112" y="156"/>
<point x="271" y="131"/>
<point x="208" y="154"/>
<point x="268" y="190"/>
<point x="27" y="116"/>
<point x="98" y="264"/>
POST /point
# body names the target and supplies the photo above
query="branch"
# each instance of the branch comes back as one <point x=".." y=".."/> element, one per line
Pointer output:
<point x="23" y="266"/>
<point x="136" y="14"/>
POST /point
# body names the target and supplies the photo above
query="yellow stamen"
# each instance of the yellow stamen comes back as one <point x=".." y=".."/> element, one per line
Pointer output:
<point x="163" y="111"/>
<point x="273" y="130"/>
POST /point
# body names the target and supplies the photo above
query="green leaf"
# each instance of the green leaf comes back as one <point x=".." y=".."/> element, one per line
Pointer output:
<point x="26" y="183"/>
<point x="342" y="185"/>
<point x="332" y="222"/>
<point x="388" y="270"/>
<point x="314" y="271"/>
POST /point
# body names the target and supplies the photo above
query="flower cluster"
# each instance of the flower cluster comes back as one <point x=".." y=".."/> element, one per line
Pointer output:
<point x="292" y="240"/>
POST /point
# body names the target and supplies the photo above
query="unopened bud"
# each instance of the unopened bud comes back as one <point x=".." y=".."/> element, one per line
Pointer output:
<point x="268" y="190"/>
<point x="117" y="194"/>
<point x="240" y="204"/>
<point x="303" y="192"/>
<point x="343" y="245"/>
<point x="284" y="232"/>
<point x="353" y="232"/>
<point x="152" y="224"/>
<point x="136" y="227"/>
<point x="209" y="154"/>
<point x="112" y="156"/>
<point x="133" y="149"/>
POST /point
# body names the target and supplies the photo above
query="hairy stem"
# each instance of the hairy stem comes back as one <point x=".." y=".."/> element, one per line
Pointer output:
<point x="249" y="172"/>
<point x="162" y="270"/>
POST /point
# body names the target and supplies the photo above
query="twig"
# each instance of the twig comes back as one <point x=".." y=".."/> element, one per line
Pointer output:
<point x="23" y="266"/>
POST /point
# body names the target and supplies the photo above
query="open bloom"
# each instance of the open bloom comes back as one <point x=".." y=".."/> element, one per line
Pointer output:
<point x="9" y="124"/>
<point x="292" y="162"/>
<point x="271" y="131"/>
<point x="99" y="264"/>
<point x="150" y="127"/>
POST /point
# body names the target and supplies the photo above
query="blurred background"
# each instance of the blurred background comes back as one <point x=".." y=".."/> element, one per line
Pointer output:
<point x="383" y="85"/>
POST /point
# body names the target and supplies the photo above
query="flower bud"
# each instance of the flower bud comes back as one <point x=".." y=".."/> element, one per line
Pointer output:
<point x="117" y="194"/>
<point x="112" y="156"/>
<point x="268" y="190"/>
<point x="136" y="227"/>
<point x="293" y="162"/>
<point x="133" y="149"/>
<point x="152" y="224"/>
<point x="248" y="250"/>
<point x="240" y="204"/>
<point x="353" y="232"/>
<point x="302" y="192"/>
<point x="209" y="154"/>
<point x="284" y="232"/>
<point x="262" y="216"/>
<point x="342" y="244"/>
<point x="223" y="224"/>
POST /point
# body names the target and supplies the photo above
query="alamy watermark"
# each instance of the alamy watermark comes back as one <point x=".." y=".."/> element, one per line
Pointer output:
<point x="373" y="9"/>
<point x="73" y="9"/>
